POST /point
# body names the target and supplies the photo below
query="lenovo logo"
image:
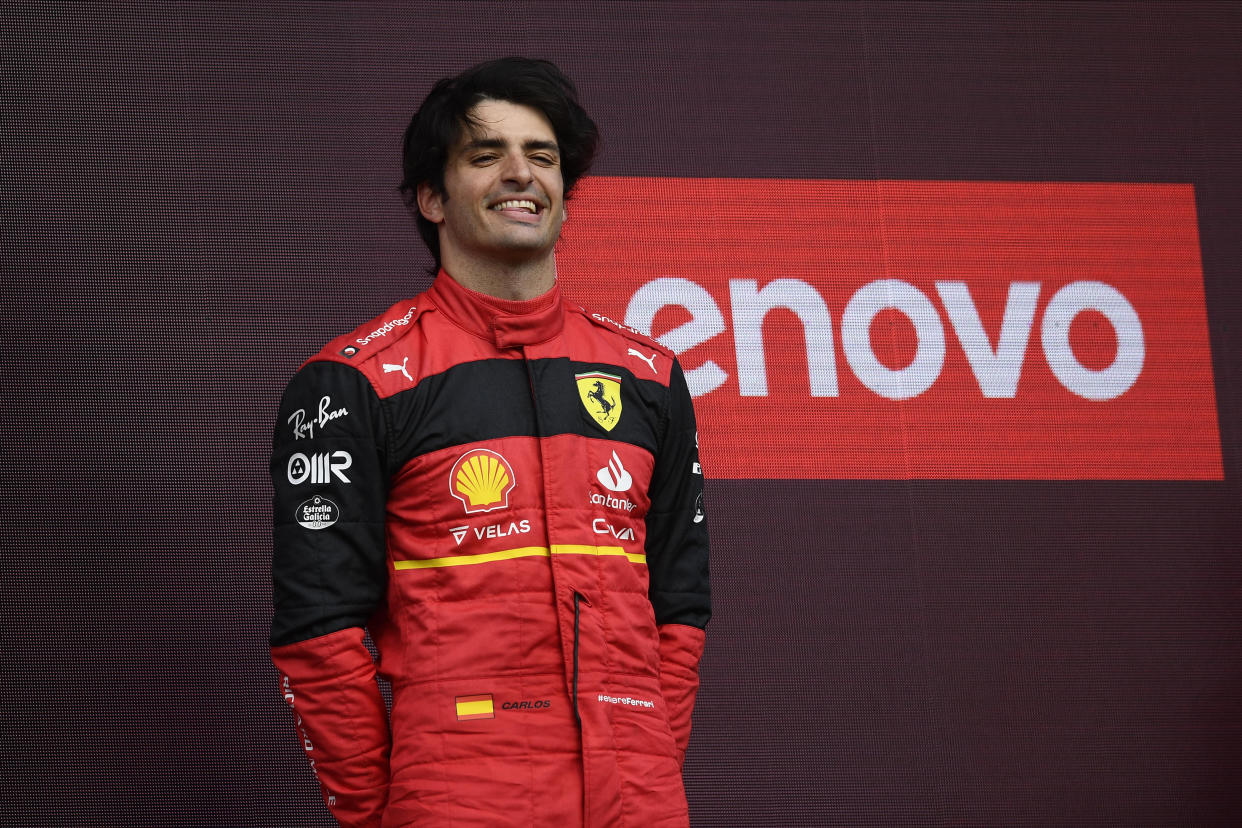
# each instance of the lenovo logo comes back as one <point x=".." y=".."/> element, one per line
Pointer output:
<point x="996" y="367"/>
<point x="917" y="329"/>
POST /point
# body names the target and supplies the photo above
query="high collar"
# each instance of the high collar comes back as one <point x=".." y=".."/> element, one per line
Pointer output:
<point x="507" y="323"/>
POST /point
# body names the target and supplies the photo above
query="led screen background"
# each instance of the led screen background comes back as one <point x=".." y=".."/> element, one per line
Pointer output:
<point x="198" y="195"/>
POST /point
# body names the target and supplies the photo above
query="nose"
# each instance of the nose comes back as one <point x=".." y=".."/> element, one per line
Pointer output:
<point x="517" y="169"/>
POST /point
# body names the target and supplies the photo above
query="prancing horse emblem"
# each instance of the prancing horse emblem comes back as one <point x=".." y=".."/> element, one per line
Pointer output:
<point x="601" y="396"/>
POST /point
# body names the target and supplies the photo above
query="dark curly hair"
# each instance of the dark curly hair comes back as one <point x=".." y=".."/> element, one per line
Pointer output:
<point x="438" y="125"/>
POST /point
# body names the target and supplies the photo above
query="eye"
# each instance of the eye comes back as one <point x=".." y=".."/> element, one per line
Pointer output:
<point x="483" y="159"/>
<point x="544" y="160"/>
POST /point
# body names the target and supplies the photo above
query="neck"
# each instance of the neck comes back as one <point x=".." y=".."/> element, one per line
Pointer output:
<point x="515" y="281"/>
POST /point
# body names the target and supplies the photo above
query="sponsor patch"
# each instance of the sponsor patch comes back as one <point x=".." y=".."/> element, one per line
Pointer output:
<point x="601" y="397"/>
<point x="495" y="530"/>
<point x="600" y="317"/>
<point x="614" y="477"/>
<point x="305" y="428"/>
<point x="611" y="501"/>
<point x="383" y="330"/>
<point x="650" y="360"/>
<point x="390" y="368"/>
<point x="317" y="513"/>
<point x="482" y="479"/>
<point x="318" y="468"/>
<point x="603" y="527"/>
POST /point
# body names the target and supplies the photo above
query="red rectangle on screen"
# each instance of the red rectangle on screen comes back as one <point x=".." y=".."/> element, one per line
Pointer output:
<point x="916" y="329"/>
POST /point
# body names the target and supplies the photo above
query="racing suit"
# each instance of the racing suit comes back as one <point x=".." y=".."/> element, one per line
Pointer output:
<point x="508" y="496"/>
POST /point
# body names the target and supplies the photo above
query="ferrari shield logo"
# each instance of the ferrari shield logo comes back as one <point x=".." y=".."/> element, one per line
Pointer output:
<point x="601" y="395"/>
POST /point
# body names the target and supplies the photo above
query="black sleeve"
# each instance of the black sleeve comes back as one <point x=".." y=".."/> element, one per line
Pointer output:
<point x="677" y="547"/>
<point x="330" y="482"/>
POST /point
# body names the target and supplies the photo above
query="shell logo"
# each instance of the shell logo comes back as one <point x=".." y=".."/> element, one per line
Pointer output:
<point x="482" y="479"/>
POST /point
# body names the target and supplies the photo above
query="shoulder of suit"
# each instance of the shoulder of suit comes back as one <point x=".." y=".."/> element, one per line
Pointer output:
<point x="620" y="329"/>
<point x="378" y="334"/>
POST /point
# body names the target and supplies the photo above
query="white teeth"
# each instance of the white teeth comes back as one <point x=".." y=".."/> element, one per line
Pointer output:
<point x="528" y="206"/>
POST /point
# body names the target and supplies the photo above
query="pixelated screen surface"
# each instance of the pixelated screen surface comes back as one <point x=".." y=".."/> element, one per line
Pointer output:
<point x="955" y="286"/>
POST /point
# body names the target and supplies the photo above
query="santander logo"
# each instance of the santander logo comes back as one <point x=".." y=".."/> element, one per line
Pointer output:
<point x="613" y="476"/>
<point x="917" y="329"/>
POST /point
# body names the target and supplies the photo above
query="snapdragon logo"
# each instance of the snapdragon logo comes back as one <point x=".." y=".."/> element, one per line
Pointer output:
<point x="615" y="323"/>
<point x="386" y="328"/>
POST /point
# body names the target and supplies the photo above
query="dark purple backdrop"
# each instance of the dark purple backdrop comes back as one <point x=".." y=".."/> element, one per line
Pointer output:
<point x="197" y="195"/>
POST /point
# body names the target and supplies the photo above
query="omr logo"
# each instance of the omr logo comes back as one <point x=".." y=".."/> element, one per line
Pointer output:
<point x="318" y="468"/>
<point x="918" y="329"/>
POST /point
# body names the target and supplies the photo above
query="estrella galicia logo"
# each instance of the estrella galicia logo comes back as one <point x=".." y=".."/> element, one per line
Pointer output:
<point x="317" y="513"/>
<point x="601" y="397"/>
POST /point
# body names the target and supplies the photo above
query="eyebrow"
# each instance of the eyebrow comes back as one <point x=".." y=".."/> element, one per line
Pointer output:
<point x="496" y="143"/>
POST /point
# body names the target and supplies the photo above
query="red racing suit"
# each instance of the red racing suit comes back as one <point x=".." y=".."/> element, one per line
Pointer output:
<point x="508" y="496"/>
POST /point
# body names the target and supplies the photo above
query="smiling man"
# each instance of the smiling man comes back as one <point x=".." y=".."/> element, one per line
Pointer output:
<point x="499" y="228"/>
<point x="505" y="491"/>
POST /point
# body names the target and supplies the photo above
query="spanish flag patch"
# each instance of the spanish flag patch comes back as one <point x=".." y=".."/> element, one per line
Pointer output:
<point x="475" y="707"/>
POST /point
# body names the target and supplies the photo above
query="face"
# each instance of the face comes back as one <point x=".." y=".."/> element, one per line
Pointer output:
<point x="503" y="199"/>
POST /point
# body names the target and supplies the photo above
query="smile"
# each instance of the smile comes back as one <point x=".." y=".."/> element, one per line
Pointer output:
<point x="517" y="204"/>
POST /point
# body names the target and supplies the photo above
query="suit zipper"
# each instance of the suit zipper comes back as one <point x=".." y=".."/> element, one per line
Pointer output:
<point x="577" y="617"/>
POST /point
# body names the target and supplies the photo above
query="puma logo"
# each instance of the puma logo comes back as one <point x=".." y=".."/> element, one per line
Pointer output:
<point x="650" y="360"/>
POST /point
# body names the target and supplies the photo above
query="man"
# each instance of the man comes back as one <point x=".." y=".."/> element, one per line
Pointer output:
<point x="505" y="491"/>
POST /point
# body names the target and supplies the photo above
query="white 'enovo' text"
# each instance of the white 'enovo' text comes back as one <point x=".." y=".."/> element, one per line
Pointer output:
<point x="997" y="370"/>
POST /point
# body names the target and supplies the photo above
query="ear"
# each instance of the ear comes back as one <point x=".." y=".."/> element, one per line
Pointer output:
<point x="430" y="203"/>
